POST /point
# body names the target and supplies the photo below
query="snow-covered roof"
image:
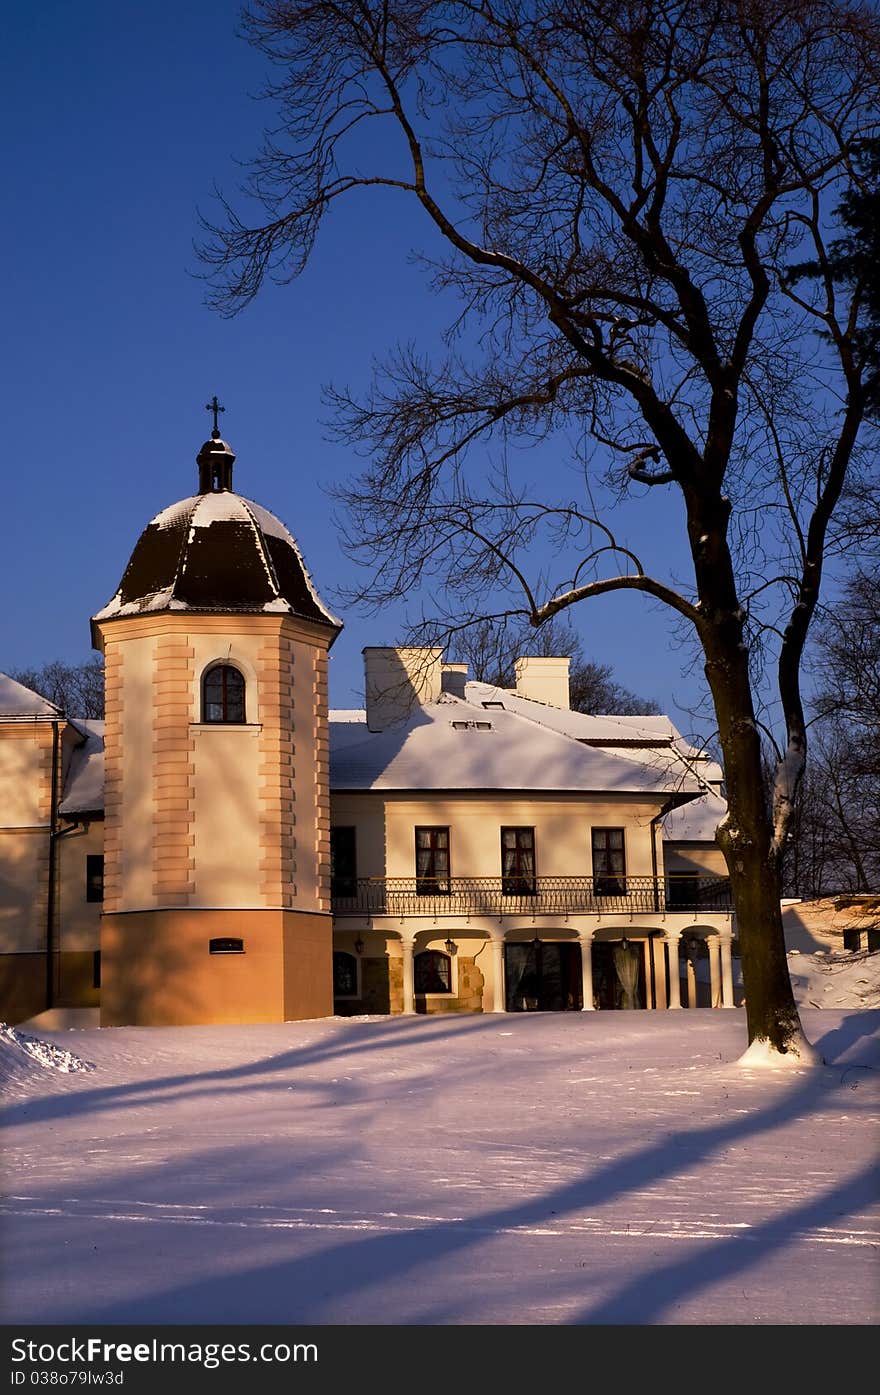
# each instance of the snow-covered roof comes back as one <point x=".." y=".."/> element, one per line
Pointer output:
<point x="695" y="822"/>
<point x="651" y="739"/>
<point x="446" y="745"/>
<point x="217" y="551"/>
<point x="18" y="701"/>
<point x="84" y="787"/>
<point x="443" y="746"/>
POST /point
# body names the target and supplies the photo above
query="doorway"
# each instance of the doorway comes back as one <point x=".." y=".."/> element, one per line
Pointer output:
<point x="543" y="977"/>
<point x="619" y="974"/>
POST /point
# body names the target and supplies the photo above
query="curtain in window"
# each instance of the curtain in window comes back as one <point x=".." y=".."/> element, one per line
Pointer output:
<point x="626" y="966"/>
<point x="432" y="860"/>
<point x="432" y="972"/>
<point x="517" y="861"/>
<point x="609" y="863"/>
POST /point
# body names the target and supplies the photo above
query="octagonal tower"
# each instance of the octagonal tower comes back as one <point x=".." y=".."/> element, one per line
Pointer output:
<point x="216" y="887"/>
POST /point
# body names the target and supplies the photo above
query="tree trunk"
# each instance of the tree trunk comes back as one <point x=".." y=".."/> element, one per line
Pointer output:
<point x="746" y="839"/>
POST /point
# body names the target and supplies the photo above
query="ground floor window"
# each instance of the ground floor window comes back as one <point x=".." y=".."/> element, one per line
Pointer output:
<point x="433" y="972"/>
<point x="345" y="975"/>
<point x="543" y="976"/>
<point x="619" y="974"/>
<point x="94" y="876"/>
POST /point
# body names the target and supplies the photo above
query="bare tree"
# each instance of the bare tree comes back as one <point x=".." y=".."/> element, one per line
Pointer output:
<point x="622" y="188"/>
<point x="834" y="840"/>
<point x="490" y="647"/>
<point x="78" y="689"/>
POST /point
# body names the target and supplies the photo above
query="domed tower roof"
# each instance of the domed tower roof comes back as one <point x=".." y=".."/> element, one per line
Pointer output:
<point x="217" y="552"/>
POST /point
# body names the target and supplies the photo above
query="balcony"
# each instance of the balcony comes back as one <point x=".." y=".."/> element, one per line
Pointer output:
<point x="546" y="896"/>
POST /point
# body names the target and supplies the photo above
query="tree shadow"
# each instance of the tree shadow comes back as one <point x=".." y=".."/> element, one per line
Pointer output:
<point x="297" y="1290"/>
<point x="78" y="1097"/>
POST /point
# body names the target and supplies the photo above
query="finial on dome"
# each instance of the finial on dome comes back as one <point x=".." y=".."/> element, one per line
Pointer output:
<point x="214" y="406"/>
<point x="215" y="459"/>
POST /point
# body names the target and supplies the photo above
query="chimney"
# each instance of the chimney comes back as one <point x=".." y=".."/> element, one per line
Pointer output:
<point x="454" y="677"/>
<point x="398" y="682"/>
<point x="544" y="680"/>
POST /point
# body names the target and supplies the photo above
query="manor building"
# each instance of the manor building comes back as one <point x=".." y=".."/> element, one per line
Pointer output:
<point x="223" y="848"/>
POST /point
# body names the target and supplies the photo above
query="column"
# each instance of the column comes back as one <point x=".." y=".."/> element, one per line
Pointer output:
<point x="409" y="997"/>
<point x="672" y="939"/>
<point x="650" y="999"/>
<point x="499" y="1003"/>
<point x="726" y="972"/>
<point x="585" y="939"/>
<point x="658" y="954"/>
<point x="691" y="972"/>
<point x="714" y="970"/>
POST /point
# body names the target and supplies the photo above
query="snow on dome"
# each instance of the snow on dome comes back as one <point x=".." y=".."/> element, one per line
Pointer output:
<point x="216" y="508"/>
<point x="176" y="513"/>
<point x="217" y="551"/>
<point x="271" y="526"/>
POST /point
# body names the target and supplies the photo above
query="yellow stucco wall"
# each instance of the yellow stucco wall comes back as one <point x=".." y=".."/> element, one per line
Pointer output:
<point x="79" y="920"/>
<point x="386" y="822"/>
<point x="25" y="810"/>
<point x="157" y="968"/>
<point x="25" y="768"/>
<point x="215" y="830"/>
<point x="203" y="814"/>
<point x="226" y="816"/>
<point x="24" y="870"/>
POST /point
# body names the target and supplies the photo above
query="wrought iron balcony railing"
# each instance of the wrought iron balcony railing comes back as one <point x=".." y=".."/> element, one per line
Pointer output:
<point x="411" y="896"/>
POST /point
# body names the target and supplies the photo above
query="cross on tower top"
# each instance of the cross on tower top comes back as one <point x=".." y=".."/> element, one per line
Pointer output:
<point x="214" y="406"/>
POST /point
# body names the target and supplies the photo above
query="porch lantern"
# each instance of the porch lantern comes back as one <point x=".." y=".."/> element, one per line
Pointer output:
<point x="450" y="946"/>
<point x="358" y="945"/>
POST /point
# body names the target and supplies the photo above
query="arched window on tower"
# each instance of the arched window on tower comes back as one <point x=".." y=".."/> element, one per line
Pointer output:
<point x="223" y="694"/>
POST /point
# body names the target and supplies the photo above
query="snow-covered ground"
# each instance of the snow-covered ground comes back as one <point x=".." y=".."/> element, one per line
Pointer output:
<point x="835" y="978"/>
<point x="572" y="1168"/>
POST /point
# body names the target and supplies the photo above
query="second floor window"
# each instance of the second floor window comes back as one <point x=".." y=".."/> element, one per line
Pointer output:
<point x="343" y="862"/>
<point x="609" y="862"/>
<point x="518" y="861"/>
<point x="223" y="694"/>
<point x="432" y="861"/>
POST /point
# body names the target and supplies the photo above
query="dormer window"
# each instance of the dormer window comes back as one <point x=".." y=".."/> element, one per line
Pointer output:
<point x="223" y="695"/>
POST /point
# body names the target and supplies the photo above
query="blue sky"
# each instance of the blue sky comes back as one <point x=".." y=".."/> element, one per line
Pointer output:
<point x="120" y="119"/>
